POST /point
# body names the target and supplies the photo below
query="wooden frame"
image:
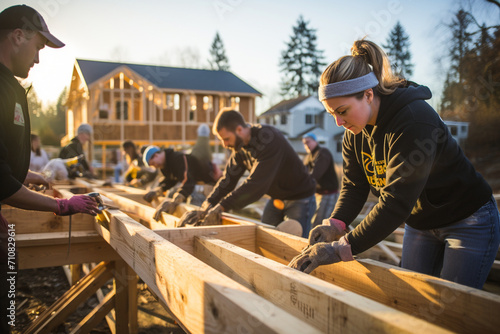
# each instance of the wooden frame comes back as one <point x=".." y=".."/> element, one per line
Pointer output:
<point x="232" y="277"/>
<point x="329" y="308"/>
<point x="42" y="240"/>
<point x="454" y="306"/>
<point x="201" y="297"/>
<point x="415" y="295"/>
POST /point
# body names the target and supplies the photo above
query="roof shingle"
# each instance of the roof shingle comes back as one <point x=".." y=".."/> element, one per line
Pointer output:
<point x="171" y="77"/>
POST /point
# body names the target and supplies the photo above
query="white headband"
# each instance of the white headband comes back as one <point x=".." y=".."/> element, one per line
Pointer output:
<point x="347" y="87"/>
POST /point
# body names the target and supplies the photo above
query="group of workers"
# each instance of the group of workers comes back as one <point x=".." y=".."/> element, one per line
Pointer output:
<point x="395" y="146"/>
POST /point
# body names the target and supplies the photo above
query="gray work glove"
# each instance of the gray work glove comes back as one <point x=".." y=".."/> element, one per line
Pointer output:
<point x="151" y="195"/>
<point x="213" y="216"/>
<point x="192" y="218"/>
<point x="168" y="205"/>
<point x="205" y="206"/>
<point x="321" y="254"/>
<point x="331" y="230"/>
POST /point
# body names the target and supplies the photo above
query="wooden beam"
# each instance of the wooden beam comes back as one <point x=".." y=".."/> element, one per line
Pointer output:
<point x="131" y="201"/>
<point x="133" y="309"/>
<point x="141" y="210"/>
<point x="70" y="191"/>
<point x="72" y="272"/>
<point x="110" y="316"/>
<point x="203" y="299"/>
<point x="120" y="287"/>
<point x="28" y="221"/>
<point x="323" y="305"/>
<point x="87" y="183"/>
<point x="241" y="236"/>
<point x="96" y="315"/>
<point x="447" y="304"/>
<point x="125" y="285"/>
<point x="57" y="255"/>
<point x="56" y="238"/>
<point x="70" y="300"/>
<point x="130" y="190"/>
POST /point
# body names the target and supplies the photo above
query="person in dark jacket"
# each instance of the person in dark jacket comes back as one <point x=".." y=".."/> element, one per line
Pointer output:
<point x="137" y="174"/>
<point x="397" y="147"/>
<point x="320" y="164"/>
<point x="23" y="33"/>
<point x="176" y="168"/>
<point x="275" y="169"/>
<point x="75" y="149"/>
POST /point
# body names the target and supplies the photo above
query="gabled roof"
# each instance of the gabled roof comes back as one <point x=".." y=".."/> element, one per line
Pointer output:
<point x="284" y="106"/>
<point x="170" y="77"/>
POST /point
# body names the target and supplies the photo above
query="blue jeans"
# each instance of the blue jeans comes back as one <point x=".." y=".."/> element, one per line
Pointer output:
<point x="326" y="204"/>
<point x="118" y="173"/>
<point x="462" y="252"/>
<point x="301" y="210"/>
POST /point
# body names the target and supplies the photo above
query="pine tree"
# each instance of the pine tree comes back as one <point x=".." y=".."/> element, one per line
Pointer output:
<point x="398" y="51"/>
<point x="218" y="59"/>
<point x="461" y="42"/>
<point x="59" y="120"/>
<point x="35" y="109"/>
<point x="300" y="63"/>
<point x="472" y="90"/>
<point x="460" y="47"/>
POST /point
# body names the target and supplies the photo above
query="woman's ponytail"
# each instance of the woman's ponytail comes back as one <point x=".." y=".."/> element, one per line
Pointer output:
<point x="366" y="57"/>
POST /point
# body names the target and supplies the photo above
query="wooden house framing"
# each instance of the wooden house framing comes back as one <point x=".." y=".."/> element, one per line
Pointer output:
<point x="149" y="104"/>
<point x="232" y="278"/>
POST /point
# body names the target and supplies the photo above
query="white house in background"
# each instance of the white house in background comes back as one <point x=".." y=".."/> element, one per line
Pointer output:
<point x="301" y="115"/>
<point x="459" y="130"/>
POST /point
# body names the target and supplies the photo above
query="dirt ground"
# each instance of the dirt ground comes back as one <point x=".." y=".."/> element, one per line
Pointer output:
<point x="38" y="289"/>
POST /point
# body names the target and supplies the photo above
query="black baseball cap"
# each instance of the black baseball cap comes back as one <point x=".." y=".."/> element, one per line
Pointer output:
<point x="25" y="17"/>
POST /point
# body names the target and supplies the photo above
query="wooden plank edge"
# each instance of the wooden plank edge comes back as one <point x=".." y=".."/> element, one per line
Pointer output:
<point x="240" y="235"/>
<point x="203" y="299"/>
<point x="447" y="304"/>
<point x="323" y="305"/>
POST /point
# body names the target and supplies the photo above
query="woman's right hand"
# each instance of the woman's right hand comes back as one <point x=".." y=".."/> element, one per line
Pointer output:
<point x="331" y="230"/>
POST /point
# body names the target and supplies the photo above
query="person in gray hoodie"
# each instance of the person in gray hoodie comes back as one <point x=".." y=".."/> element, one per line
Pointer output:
<point x="397" y="147"/>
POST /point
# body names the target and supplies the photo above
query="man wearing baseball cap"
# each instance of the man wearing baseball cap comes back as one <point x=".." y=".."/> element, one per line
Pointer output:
<point x="23" y="33"/>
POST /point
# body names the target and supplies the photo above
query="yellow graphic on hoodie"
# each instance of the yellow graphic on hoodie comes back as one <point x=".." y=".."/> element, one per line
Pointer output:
<point x="374" y="170"/>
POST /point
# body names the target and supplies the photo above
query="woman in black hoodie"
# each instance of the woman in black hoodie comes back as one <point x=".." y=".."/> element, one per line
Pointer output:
<point x="397" y="147"/>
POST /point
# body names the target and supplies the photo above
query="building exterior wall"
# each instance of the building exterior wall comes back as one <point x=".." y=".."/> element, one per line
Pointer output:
<point x="459" y="131"/>
<point x="304" y="115"/>
<point x="122" y="106"/>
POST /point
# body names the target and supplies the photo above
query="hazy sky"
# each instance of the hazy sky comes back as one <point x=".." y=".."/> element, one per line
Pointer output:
<point x="179" y="33"/>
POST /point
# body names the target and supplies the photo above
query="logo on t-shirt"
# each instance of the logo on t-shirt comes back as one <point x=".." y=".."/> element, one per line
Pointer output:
<point x="18" y="115"/>
<point x="374" y="170"/>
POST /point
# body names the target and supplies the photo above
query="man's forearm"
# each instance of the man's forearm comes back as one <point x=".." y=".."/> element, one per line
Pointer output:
<point x="35" y="178"/>
<point x="31" y="200"/>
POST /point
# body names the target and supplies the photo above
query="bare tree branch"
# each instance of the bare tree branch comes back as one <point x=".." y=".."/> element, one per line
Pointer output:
<point x="494" y="2"/>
